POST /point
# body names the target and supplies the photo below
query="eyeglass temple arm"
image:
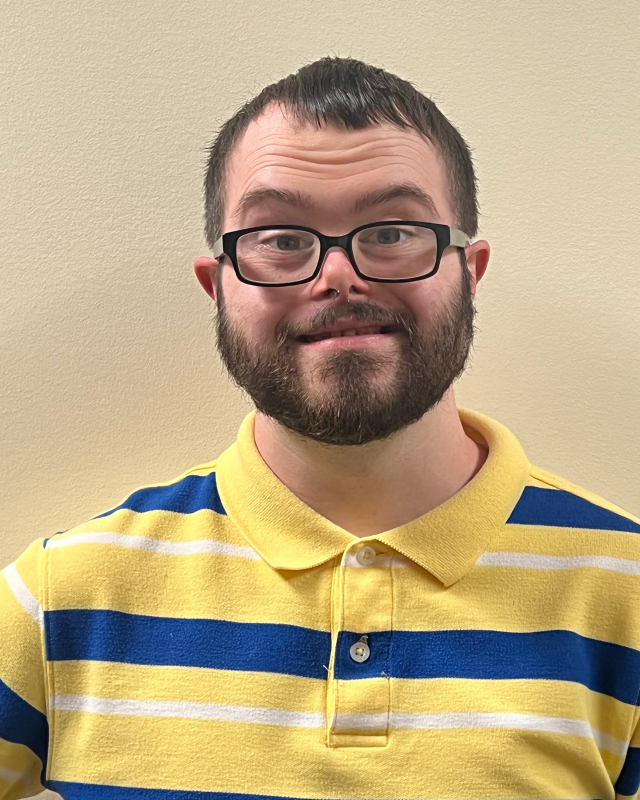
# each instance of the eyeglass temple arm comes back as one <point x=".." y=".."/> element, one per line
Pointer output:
<point x="458" y="238"/>
<point x="217" y="248"/>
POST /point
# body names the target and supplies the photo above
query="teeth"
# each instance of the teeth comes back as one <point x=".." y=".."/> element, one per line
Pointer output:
<point x="350" y="332"/>
<point x="360" y="332"/>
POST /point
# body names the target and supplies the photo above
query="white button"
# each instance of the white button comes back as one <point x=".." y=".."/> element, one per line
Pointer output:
<point x="366" y="555"/>
<point x="360" y="650"/>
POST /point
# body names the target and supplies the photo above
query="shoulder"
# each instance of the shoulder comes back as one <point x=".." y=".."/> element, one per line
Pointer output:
<point x="183" y="516"/>
<point x="550" y="500"/>
<point x="192" y="491"/>
<point x="557" y="519"/>
<point x="569" y="559"/>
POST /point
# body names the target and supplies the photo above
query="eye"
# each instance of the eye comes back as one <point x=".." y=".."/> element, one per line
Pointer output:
<point x="386" y="236"/>
<point x="286" y="243"/>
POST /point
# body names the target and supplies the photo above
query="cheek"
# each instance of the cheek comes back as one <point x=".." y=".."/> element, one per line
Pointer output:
<point x="255" y="312"/>
<point x="435" y="292"/>
<point x="420" y="300"/>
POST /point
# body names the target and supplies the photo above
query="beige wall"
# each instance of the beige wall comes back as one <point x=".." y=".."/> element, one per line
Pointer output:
<point x="108" y="376"/>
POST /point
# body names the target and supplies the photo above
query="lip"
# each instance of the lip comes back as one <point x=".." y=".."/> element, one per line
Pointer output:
<point x="364" y="340"/>
<point x="346" y="325"/>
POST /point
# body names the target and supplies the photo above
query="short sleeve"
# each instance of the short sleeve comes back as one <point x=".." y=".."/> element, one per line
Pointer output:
<point x="628" y="782"/>
<point x="24" y="729"/>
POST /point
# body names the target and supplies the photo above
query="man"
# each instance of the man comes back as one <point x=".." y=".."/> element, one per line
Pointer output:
<point x="372" y="593"/>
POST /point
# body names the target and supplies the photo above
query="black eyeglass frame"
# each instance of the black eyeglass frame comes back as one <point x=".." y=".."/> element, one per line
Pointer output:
<point x="445" y="237"/>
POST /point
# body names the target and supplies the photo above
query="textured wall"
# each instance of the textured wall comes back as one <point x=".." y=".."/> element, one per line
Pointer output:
<point x="108" y="376"/>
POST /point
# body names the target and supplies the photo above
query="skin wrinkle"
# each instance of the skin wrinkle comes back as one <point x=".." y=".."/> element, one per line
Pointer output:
<point x="329" y="423"/>
<point x="317" y="159"/>
<point x="257" y="197"/>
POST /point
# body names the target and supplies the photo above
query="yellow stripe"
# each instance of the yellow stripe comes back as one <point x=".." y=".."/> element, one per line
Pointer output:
<point x="163" y="525"/>
<point x="160" y="754"/>
<point x="567" y="542"/>
<point x="635" y="729"/>
<point x="188" y="684"/>
<point x="520" y="600"/>
<point x="293" y="694"/>
<point x="31" y="565"/>
<point x="26" y="648"/>
<point x="493" y="598"/>
<point x="542" y="697"/>
<point x="140" y="582"/>
<point x="20" y="771"/>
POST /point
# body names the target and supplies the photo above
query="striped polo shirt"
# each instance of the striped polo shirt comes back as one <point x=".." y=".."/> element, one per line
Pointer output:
<point x="214" y="638"/>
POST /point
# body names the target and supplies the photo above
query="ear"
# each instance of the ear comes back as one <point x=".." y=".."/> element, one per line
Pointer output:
<point x="205" y="269"/>
<point x="477" y="255"/>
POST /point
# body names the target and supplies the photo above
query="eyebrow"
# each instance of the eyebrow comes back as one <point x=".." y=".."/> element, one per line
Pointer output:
<point x="262" y="194"/>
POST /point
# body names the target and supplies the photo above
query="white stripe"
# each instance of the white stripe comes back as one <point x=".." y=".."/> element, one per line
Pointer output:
<point x="532" y="561"/>
<point x="23" y="595"/>
<point x="531" y="722"/>
<point x="174" y="708"/>
<point x="607" y="742"/>
<point x="274" y="716"/>
<point x="154" y="545"/>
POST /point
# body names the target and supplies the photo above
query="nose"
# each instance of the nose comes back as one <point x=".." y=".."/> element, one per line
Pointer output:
<point x="339" y="274"/>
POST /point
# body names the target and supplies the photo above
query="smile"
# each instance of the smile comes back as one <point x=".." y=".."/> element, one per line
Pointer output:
<point x="374" y="330"/>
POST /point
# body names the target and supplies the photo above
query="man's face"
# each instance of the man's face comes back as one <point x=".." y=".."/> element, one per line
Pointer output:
<point x="351" y="390"/>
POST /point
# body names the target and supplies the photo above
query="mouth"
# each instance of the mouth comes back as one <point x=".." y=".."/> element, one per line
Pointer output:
<point x="373" y="330"/>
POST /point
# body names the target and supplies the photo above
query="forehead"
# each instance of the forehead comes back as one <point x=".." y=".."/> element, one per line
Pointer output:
<point x="333" y="165"/>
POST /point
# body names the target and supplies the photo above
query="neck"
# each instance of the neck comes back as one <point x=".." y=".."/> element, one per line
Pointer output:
<point x="369" y="489"/>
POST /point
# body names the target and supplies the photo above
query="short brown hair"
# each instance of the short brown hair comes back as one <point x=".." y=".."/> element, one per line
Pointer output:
<point x="348" y="93"/>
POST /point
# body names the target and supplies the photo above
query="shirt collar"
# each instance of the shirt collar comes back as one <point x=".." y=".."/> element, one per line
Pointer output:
<point x="447" y="541"/>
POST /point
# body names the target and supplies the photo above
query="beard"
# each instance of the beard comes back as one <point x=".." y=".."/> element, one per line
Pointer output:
<point x="344" y="397"/>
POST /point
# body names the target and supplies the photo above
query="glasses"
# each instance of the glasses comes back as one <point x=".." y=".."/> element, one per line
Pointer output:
<point x="385" y="252"/>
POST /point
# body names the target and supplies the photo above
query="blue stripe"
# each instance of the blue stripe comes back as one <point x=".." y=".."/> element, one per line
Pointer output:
<point x="629" y="781"/>
<point x="21" y="723"/>
<point x="92" y="791"/>
<point x="215" y="644"/>
<point x="191" y="494"/>
<point x="98" y="635"/>
<point x="556" y="508"/>
<point x="611" y="669"/>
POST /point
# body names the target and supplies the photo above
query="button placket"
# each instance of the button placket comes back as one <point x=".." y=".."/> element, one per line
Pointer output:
<point x="359" y="700"/>
<point x="366" y="556"/>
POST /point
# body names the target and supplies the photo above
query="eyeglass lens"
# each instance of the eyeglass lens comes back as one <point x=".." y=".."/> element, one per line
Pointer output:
<point x="279" y="255"/>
